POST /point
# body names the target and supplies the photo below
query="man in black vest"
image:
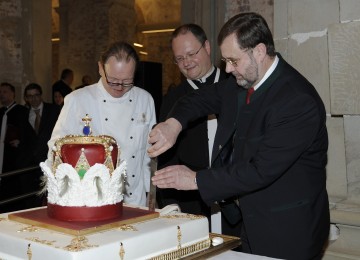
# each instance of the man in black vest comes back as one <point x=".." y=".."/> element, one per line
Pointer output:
<point x="191" y="50"/>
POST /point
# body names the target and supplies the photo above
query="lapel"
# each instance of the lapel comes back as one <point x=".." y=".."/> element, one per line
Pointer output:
<point x="227" y="120"/>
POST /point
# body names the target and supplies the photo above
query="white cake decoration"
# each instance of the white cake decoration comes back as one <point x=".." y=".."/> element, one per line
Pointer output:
<point x="97" y="188"/>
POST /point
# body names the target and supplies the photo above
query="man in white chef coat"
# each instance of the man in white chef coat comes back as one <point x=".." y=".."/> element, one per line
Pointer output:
<point x="118" y="109"/>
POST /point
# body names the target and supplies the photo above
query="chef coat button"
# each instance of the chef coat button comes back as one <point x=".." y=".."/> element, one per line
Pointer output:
<point x="131" y="137"/>
<point x="104" y="100"/>
<point x="106" y="119"/>
<point x="133" y="175"/>
<point x="130" y="193"/>
<point x="133" y="156"/>
<point x="130" y="100"/>
<point x="132" y="119"/>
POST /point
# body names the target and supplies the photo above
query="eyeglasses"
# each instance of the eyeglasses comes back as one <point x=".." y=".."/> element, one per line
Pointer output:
<point x="33" y="96"/>
<point x="234" y="62"/>
<point x="116" y="84"/>
<point x="181" y="59"/>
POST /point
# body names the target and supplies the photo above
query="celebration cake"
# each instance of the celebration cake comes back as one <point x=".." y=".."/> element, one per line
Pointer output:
<point x="171" y="236"/>
<point x="84" y="180"/>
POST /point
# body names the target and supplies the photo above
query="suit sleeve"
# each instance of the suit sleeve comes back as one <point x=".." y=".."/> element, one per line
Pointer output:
<point x="291" y="129"/>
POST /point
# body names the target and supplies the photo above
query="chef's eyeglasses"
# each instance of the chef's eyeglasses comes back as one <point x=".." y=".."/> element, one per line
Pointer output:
<point x="126" y="85"/>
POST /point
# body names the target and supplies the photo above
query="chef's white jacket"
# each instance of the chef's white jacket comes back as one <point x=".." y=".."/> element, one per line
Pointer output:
<point x="128" y="119"/>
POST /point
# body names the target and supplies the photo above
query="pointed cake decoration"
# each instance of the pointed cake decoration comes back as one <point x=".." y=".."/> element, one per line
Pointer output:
<point x="87" y="128"/>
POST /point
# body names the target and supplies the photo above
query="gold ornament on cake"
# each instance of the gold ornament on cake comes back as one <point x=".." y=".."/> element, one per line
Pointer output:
<point x="90" y="146"/>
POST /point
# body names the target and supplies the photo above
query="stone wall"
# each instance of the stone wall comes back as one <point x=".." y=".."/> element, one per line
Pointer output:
<point x="25" y="47"/>
<point x="321" y="39"/>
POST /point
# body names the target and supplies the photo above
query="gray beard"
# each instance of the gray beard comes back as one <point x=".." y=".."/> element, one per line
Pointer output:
<point x="245" y="84"/>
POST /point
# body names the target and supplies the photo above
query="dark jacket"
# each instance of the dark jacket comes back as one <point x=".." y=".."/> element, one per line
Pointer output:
<point x="271" y="155"/>
<point x="17" y="129"/>
<point x="191" y="149"/>
<point x="38" y="149"/>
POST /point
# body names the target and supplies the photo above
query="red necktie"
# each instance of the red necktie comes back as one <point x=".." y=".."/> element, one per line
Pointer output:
<point x="250" y="91"/>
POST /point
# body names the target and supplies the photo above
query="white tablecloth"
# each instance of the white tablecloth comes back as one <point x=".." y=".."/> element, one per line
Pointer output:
<point x="232" y="255"/>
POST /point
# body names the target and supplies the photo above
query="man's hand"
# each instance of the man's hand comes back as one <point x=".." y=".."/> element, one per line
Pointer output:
<point x="163" y="136"/>
<point x="15" y="143"/>
<point x="178" y="177"/>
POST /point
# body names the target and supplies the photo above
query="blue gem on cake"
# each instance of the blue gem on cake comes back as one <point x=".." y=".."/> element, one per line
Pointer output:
<point x="85" y="180"/>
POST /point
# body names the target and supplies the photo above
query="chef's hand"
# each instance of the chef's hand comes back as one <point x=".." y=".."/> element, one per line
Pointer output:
<point x="163" y="136"/>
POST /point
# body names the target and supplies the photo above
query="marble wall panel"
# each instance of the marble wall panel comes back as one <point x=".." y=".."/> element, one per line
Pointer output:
<point x="10" y="8"/>
<point x="280" y="19"/>
<point x="352" y="146"/>
<point x="281" y="46"/>
<point x="344" y="60"/>
<point x="309" y="55"/>
<point x="10" y="41"/>
<point x="310" y="15"/>
<point x="336" y="182"/>
<point x="263" y="7"/>
<point x="349" y="10"/>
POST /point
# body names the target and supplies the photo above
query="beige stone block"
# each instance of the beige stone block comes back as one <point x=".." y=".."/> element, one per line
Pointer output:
<point x="310" y="15"/>
<point x="336" y="182"/>
<point x="349" y="10"/>
<point x="309" y="55"/>
<point x="281" y="46"/>
<point x="280" y="19"/>
<point x="344" y="60"/>
<point x="352" y="146"/>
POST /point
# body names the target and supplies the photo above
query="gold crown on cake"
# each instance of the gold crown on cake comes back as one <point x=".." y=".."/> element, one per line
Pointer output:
<point x="82" y="152"/>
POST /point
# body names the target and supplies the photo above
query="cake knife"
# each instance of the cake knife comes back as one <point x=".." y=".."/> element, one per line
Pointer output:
<point x="152" y="192"/>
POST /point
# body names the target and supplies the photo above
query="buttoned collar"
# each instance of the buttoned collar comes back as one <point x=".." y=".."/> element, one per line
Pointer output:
<point x="203" y="79"/>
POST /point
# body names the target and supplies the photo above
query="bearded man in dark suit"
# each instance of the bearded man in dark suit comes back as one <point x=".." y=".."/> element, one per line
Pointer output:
<point x="270" y="149"/>
<point x="191" y="50"/>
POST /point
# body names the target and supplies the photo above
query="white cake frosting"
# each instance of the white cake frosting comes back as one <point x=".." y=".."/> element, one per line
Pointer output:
<point x="98" y="187"/>
<point x="168" y="237"/>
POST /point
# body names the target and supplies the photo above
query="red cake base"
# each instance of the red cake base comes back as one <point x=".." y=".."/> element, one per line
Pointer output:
<point x="85" y="213"/>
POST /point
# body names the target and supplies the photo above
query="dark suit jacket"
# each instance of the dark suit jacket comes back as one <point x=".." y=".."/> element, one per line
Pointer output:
<point x="275" y="164"/>
<point x="38" y="149"/>
<point x="191" y="146"/>
<point x="191" y="149"/>
<point x="17" y="129"/>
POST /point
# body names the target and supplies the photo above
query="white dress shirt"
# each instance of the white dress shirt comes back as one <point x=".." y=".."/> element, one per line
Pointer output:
<point x="128" y="119"/>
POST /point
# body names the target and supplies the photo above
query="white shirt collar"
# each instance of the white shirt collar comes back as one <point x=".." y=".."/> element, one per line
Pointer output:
<point x="41" y="106"/>
<point x="203" y="79"/>
<point x="268" y="72"/>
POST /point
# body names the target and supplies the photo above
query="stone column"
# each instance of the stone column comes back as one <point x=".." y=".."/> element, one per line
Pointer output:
<point x="25" y="44"/>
